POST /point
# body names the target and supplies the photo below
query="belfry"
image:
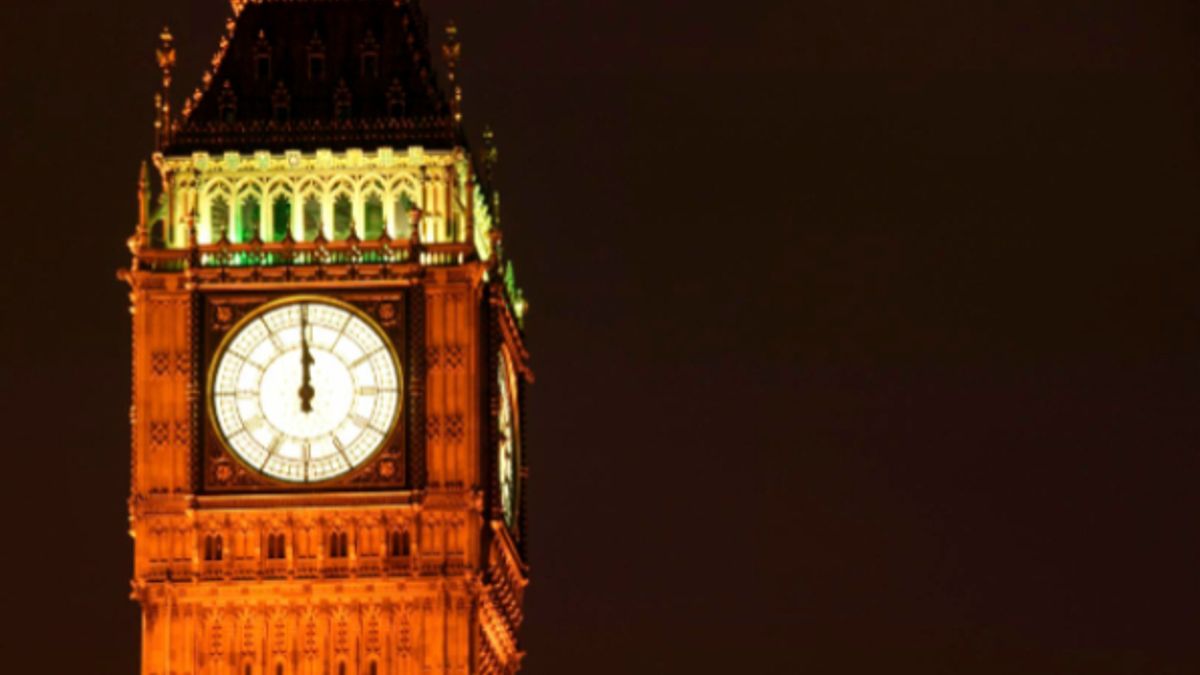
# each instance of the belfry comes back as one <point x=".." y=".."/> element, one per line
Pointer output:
<point x="328" y="466"/>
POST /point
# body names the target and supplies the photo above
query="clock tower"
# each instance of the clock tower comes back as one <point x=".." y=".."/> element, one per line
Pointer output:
<point x="328" y="472"/>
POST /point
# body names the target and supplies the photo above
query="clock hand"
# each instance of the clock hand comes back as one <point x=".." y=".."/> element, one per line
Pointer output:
<point x="306" y="361"/>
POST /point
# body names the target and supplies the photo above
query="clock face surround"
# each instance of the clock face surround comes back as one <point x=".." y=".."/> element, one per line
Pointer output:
<point x="305" y="389"/>
<point x="506" y="451"/>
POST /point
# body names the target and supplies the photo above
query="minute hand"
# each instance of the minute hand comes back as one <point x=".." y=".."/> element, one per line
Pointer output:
<point x="306" y="361"/>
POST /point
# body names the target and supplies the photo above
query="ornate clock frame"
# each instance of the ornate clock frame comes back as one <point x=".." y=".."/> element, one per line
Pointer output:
<point x="396" y="466"/>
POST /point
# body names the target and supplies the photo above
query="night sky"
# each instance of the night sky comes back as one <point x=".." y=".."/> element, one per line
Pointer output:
<point x="867" y="334"/>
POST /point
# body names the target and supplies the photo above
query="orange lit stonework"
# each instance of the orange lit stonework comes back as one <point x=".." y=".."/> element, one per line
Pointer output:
<point x="407" y="560"/>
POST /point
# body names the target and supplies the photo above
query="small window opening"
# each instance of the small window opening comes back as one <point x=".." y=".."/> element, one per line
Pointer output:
<point x="276" y="547"/>
<point x="227" y="103"/>
<point x="370" y="56"/>
<point x="399" y="545"/>
<point x="281" y="103"/>
<point x="342" y="101"/>
<point x="395" y="100"/>
<point x="338" y="545"/>
<point x="316" y="58"/>
<point x="262" y="58"/>
<point x="212" y="548"/>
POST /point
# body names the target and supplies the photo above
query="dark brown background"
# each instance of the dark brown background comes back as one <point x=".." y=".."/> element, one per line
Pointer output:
<point x="867" y="333"/>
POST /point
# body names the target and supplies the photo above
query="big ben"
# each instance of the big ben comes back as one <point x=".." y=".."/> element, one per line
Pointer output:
<point x="327" y="469"/>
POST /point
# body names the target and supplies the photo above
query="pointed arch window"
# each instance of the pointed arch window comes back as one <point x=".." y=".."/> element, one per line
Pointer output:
<point x="312" y="218"/>
<point x="262" y="58"/>
<point x="249" y="219"/>
<point x="343" y="102"/>
<point x="395" y="99"/>
<point x="369" y="63"/>
<point x="373" y="220"/>
<point x="227" y="103"/>
<point x="343" y="217"/>
<point x="316" y="59"/>
<point x="219" y="218"/>
<point x="404" y="206"/>
<point x="281" y="217"/>
<point x="281" y="103"/>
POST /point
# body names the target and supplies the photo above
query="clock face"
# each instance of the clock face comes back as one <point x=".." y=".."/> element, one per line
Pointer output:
<point x="305" y="390"/>
<point x="507" y="450"/>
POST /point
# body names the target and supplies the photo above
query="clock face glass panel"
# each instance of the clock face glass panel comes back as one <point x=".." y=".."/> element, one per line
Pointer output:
<point x="507" y="450"/>
<point x="305" y="390"/>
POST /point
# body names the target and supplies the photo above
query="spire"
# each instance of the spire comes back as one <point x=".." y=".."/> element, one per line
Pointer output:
<point x="162" y="101"/>
<point x="452" y="51"/>
<point x="491" y="158"/>
<point x="143" y="197"/>
<point x="491" y="154"/>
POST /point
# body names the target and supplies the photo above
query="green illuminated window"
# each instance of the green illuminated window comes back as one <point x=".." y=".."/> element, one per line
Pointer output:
<point x="343" y="218"/>
<point x="373" y="217"/>
<point x="249" y="217"/>
<point x="312" y="218"/>
<point x="281" y="217"/>
<point x="219" y="218"/>
<point x="403" y="226"/>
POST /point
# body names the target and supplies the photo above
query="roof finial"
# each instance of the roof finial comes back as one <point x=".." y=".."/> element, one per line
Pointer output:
<point x="452" y="51"/>
<point x="166" y="63"/>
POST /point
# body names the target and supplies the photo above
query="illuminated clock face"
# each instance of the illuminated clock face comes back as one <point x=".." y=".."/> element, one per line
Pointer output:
<point x="305" y="390"/>
<point x="506" y="452"/>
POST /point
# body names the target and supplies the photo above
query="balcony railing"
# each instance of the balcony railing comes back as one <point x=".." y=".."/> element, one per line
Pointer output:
<point x="367" y="255"/>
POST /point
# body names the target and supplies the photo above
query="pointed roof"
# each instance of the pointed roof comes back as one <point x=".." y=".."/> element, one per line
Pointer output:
<point x="308" y="74"/>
